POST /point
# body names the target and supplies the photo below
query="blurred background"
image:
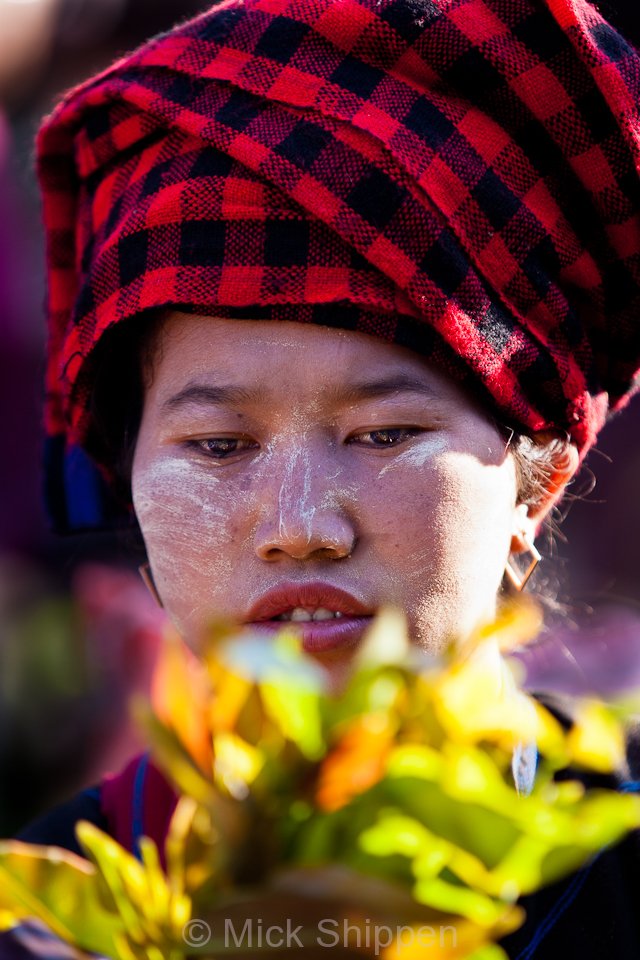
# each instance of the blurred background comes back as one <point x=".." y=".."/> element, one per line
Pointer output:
<point x="78" y="631"/>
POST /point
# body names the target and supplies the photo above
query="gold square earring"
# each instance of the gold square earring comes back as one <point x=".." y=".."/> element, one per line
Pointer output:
<point x="519" y="579"/>
<point x="145" y="572"/>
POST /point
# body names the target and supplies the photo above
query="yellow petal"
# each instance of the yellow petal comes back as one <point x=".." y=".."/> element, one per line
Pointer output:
<point x="596" y="740"/>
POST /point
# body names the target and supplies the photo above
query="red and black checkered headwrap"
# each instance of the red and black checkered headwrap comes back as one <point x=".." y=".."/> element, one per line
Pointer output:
<point x="459" y="176"/>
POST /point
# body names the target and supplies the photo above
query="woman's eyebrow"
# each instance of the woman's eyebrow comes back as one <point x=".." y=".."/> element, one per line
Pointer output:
<point x="207" y="394"/>
<point x="384" y="387"/>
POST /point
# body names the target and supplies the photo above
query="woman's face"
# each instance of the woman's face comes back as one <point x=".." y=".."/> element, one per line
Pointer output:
<point x="277" y="456"/>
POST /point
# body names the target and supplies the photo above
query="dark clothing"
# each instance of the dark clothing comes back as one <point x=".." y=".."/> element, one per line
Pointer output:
<point x="592" y="915"/>
<point x="57" y="826"/>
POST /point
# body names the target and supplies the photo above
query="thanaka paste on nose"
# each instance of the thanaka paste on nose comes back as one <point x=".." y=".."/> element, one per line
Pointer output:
<point x="289" y="503"/>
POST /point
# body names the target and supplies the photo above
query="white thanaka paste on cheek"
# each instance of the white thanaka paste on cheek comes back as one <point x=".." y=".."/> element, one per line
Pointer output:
<point x="173" y="485"/>
<point x="183" y="514"/>
<point x="339" y="496"/>
<point x="418" y="454"/>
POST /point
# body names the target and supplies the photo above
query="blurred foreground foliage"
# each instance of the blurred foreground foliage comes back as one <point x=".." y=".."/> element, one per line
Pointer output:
<point x="391" y="806"/>
<point x="70" y="656"/>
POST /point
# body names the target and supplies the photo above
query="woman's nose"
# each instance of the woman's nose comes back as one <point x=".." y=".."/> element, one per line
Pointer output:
<point x="301" y="516"/>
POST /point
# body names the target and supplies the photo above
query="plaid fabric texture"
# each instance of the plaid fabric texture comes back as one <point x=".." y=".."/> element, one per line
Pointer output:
<point x="459" y="176"/>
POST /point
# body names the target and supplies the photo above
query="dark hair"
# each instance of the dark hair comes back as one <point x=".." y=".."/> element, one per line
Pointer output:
<point x="116" y="375"/>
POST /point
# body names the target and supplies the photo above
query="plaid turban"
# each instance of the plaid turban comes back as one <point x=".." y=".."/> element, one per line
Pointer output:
<point x="457" y="176"/>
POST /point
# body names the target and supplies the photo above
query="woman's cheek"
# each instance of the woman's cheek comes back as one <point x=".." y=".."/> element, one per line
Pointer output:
<point x="475" y="514"/>
<point x="447" y="534"/>
<point x="187" y="521"/>
<point x="411" y="520"/>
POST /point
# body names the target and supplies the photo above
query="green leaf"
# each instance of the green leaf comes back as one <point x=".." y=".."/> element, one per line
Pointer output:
<point x="264" y="660"/>
<point x="296" y="711"/>
<point x="489" y="951"/>
<point x="60" y="889"/>
<point x="395" y="833"/>
<point x="123" y="874"/>
<point x="385" y="642"/>
<point x="173" y="757"/>
<point x="460" y="900"/>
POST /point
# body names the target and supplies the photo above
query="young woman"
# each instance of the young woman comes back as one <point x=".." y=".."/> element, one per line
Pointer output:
<point x="340" y="296"/>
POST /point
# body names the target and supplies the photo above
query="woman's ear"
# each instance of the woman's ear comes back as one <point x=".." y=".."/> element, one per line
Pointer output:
<point x="553" y="476"/>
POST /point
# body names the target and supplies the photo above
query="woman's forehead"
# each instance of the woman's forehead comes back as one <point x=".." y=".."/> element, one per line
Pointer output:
<point x="262" y="358"/>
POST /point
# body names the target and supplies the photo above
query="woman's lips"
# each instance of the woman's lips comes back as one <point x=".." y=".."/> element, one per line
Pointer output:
<point x="311" y="594"/>
<point x="319" y="636"/>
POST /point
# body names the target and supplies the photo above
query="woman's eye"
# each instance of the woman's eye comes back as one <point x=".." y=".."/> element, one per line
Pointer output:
<point x="388" y="438"/>
<point x="219" y="448"/>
